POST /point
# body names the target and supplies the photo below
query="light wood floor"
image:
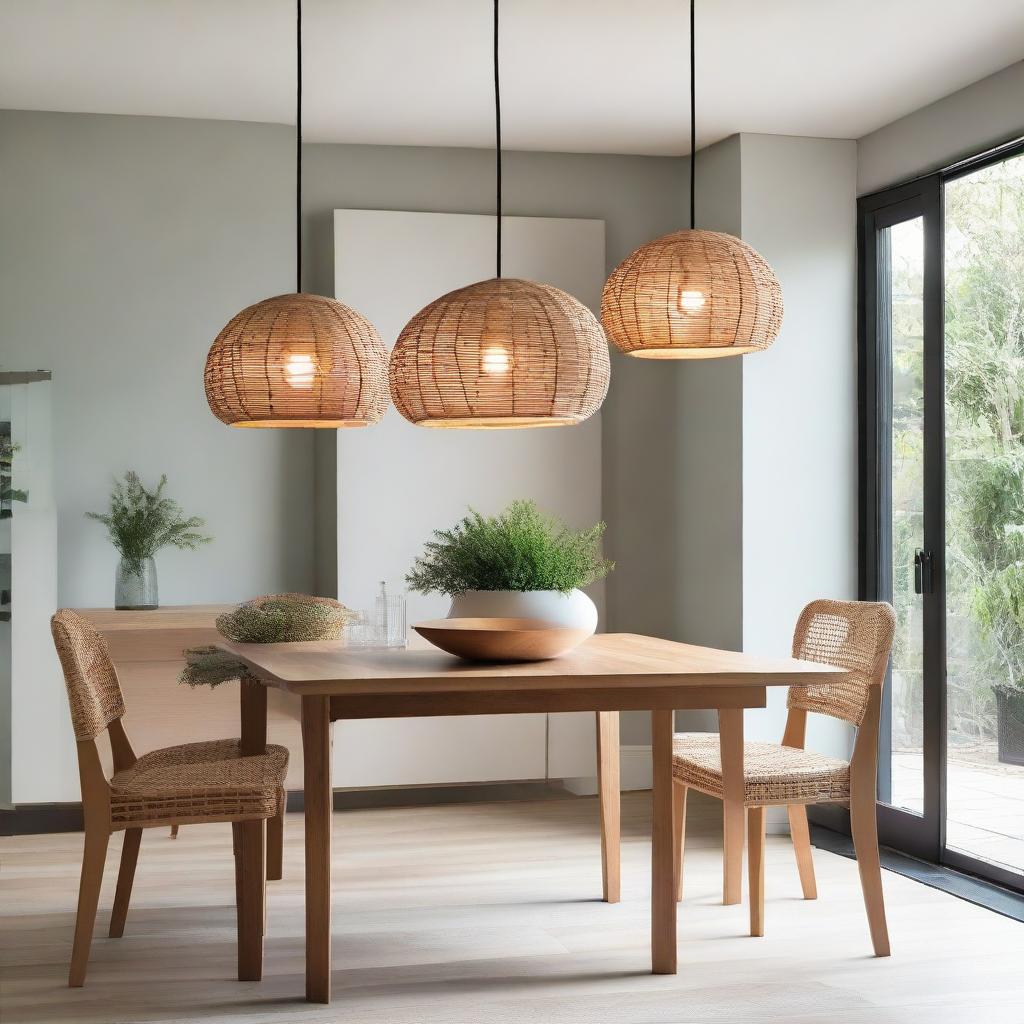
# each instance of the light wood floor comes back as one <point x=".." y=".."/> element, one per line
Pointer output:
<point x="489" y="913"/>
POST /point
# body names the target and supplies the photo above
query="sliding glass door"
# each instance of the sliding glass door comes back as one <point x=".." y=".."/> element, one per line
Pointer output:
<point x="942" y="402"/>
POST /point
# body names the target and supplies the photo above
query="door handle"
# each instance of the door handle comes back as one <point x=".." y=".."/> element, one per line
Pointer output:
<point x="923" y="576"/>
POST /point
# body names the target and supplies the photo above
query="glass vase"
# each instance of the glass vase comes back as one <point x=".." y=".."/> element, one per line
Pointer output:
<point x="136" y="590"/>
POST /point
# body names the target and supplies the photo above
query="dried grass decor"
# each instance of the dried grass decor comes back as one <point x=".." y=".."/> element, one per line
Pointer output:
<point x="272" y="619"/>
<point x="284" y="618"/>
<point x="209" y="666"/>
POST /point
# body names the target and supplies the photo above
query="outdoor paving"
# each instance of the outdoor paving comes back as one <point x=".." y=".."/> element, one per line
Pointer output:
<point x="985" y="802"/>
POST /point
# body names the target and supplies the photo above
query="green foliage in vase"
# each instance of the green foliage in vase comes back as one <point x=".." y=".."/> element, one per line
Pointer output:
<point x="141" y="522"/>
<point x="521" y="549"/>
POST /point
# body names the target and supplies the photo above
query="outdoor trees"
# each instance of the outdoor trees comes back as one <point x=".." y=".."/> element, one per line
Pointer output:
<point x="984" y="336"/>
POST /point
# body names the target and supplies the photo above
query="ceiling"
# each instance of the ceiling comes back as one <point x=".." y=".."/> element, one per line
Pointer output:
<point x="577" y="75"/>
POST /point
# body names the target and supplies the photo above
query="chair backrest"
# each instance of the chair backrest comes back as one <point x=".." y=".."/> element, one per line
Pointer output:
<point x="855" y="635"/>
<point x="93" y="690"/>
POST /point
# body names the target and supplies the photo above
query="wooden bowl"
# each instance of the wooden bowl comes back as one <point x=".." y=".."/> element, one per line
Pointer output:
<point x="501" y="639"/>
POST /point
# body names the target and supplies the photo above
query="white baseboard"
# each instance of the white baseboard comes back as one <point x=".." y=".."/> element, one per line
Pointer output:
<point x="635" y="762"/>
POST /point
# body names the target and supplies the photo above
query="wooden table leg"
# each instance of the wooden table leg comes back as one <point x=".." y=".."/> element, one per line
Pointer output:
<point x="663" y="891"/>
<point x="254" y="741"/>
<point x="730" y="727"/>
<point x="316" y="753"/>
<point x="250" y="894"/>
<point x="253" y="696"/>
<point x="608" y="788"/>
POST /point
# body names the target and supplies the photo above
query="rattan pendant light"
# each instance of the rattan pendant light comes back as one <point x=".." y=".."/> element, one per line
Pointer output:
<point x="692" y="294"/>
<point x="501" y="352"/>
<point x="297" y="360"/>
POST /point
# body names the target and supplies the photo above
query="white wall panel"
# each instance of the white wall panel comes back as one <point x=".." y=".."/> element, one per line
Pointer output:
<point x="397" y="482"/>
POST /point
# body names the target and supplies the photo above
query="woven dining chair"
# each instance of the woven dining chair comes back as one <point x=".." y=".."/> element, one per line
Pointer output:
<point x="195" y="782"/>
<point x="853" y="635"/>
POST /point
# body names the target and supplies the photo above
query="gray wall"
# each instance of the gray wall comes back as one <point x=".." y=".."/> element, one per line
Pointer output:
<point x="710" y="478"/>
<point x="800" y="404"/>
<point x="682" y="454"/>
<point x="671" y="471"/>
<point x="761" y="450"/>
<point x="138" y="238"/>
<point x="959" y="125"/>
<point x="128" y="242"/>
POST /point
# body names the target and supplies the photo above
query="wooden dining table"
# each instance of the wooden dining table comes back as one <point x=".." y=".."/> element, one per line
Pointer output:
<point x="608" y="673"/>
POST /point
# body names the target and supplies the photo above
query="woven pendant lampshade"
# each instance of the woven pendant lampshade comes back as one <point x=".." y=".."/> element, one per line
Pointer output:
<point x="500" y="353"/>
<point x="692" y="295"/>
<point x="297" y="361"/>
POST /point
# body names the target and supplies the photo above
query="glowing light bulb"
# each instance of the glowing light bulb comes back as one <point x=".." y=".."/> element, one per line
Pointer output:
<point x="690" y="300"/>
<point x="495" y="360"/>
<point x="300" y="370"/>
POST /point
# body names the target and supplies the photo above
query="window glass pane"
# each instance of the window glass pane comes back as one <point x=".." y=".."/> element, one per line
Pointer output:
<point x="903" y="316"/>
<point x="984" y="346"/>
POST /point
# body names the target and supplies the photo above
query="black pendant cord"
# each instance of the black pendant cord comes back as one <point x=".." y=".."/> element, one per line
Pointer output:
<point x="298" y="146"/>
<point x="497" y="139"/>
<point x="693" y="126"/>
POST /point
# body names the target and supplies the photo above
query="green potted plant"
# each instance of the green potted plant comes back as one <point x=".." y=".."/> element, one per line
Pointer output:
<point x="986" y="561"/>
<point x="141" y="522"/>
<point x="519" y="564"/>
<point x="999" y="609"/>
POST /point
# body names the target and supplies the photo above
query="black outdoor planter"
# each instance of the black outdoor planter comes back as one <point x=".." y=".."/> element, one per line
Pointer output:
<point x="1010" y="726"/>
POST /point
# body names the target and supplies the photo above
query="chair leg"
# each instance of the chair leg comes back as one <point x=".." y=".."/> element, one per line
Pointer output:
<point x="755" y="865"/>
<point x="275" y="846"/>
<point x="801" y="836"/>
<point x="125" y="878"/>
<point x="864" y="827"/>
<point x="730" y="739"/>
<point x="251" y="881"/>
<point x="93" y="857"/>
<point x="236" y="846"/>
<point x="679" y="792"/>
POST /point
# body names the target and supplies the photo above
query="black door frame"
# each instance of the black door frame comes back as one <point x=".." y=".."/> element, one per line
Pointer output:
<point x="920" y="836"/>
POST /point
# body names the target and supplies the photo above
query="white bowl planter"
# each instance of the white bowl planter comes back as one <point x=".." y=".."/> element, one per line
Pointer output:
<point x="574" y="610"/>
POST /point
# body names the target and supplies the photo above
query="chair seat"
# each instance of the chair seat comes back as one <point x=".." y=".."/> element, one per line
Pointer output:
<point x="197" y="781"/>
<point x="772" y="773"/>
